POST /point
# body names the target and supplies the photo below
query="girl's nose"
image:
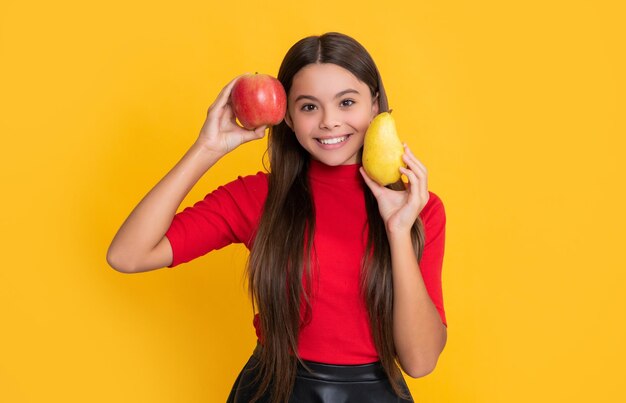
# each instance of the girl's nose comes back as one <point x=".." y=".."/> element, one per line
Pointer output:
<point x="329" y="120"/>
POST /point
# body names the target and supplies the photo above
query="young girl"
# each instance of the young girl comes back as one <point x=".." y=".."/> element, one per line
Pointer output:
<point x="345" y="274"/>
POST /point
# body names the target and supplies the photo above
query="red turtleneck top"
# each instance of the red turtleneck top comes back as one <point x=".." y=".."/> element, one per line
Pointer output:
<point x="338" y="331"/>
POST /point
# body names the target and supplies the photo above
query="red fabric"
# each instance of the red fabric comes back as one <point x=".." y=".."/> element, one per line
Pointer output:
<point x="338" y="332"/>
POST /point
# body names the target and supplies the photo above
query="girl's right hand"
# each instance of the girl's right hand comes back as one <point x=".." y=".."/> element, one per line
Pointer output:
<point x="220" y="133"/>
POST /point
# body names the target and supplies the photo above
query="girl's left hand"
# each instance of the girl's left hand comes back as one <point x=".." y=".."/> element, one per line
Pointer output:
<point x="400" y="209"/>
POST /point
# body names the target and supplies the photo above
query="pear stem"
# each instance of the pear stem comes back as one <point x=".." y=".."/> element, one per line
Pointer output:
<point x="390" y="110"/>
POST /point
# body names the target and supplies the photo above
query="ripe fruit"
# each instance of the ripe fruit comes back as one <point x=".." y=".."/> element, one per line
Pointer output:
<point x="257" y="100"/>
<point x="382" y="150"/>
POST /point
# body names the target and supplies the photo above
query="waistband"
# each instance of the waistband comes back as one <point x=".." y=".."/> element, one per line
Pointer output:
<point x="337" y="373"/>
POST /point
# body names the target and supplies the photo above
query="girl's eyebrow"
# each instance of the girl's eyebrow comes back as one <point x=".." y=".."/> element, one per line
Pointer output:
<point x="339" y="94"/>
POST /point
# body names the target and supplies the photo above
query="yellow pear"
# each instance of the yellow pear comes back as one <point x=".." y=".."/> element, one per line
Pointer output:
<point x="382" y="150"/>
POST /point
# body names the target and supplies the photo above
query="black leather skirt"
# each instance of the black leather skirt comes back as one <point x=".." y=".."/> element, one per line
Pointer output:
<point x="326" y="384"/>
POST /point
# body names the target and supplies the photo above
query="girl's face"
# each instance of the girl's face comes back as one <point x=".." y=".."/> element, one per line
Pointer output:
<point x="330" y="110"/>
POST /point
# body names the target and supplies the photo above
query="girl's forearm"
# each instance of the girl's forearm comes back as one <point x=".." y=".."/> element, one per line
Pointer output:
<point x="419" y="334"/>
<point x="147" y="224"/>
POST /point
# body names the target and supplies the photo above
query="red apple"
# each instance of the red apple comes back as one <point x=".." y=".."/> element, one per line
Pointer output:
<point x="257" y="100"/>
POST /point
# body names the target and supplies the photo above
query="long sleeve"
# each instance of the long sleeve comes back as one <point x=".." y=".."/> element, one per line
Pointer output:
<point x="434" y="217"/>
<point x="229" y="214"/>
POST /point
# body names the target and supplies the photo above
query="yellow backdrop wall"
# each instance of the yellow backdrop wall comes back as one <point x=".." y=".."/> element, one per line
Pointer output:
<point x="516" y="108"/>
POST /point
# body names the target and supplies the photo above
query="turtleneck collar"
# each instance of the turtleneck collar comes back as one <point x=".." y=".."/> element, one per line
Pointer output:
<point x="335" y="174"/>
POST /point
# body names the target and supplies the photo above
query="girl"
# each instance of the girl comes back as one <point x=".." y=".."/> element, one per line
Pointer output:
<point x="344" y="274"/>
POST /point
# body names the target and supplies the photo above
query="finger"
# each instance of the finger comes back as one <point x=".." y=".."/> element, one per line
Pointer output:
<point x="421" y="172"/>
<point x="229" y="114"/>
<point x="414" y="163"/>
<point x="419" y="194"/>
<point x="414" y="158"/>
<point x="421" y="178"/>
<point x="249" y="135"/>
<point x="413" y="185"/>
<point x="421" y="181"/>
<point x="227" y="119"/>
<point x="260" y="131"/>
<point x="413" y="166"/>
<point x="224" y="95"/>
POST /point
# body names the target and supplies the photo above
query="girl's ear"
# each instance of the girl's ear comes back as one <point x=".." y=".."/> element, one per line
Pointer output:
<point x="288" y="120"/>
<point x="375" y="106"/>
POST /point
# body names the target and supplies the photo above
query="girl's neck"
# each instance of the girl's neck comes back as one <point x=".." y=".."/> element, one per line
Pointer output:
<point x="340" y="173"/>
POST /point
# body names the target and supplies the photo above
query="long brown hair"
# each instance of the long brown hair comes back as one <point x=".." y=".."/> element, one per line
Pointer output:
<point x="281" y="251"/>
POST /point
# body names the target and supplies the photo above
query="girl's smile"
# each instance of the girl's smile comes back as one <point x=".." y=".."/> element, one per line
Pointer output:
<point x="329" y="142"/>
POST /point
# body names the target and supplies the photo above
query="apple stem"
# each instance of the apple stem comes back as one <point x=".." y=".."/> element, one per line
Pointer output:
<point x="390" y="110"/>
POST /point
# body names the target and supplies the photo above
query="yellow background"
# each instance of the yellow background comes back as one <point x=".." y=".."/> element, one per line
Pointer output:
<point x="516" y="108"/>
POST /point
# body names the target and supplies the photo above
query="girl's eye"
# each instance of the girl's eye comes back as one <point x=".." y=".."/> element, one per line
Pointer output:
<point x="307" y="107"/>
<point x="347" y="102"/>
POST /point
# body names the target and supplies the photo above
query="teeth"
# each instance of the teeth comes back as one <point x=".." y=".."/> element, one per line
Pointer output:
<point x="333" y="141"/>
